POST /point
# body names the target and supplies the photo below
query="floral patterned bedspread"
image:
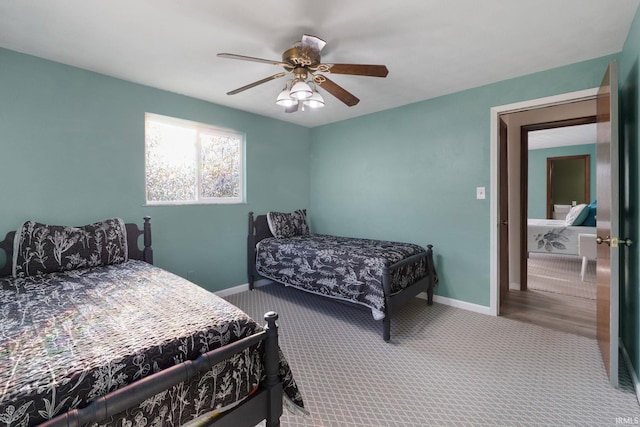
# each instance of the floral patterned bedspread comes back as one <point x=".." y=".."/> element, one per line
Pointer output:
<point x="340" y="267"/>
<point x="68" y="338"/>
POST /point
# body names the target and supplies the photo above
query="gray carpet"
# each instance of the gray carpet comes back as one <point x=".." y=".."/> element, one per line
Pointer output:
<point x="561" y="274"/>
<point x="443" y="367"/>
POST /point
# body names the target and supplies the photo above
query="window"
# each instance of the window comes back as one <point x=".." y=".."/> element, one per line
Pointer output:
<point x="192" y="163"/>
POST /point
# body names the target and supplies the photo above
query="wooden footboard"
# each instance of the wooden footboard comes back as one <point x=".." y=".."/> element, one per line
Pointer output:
<point x="264" y="404"/>
<point x="393" y="301"/>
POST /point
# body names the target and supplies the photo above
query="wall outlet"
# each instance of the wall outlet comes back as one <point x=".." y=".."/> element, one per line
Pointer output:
<point x="480" y="193"/>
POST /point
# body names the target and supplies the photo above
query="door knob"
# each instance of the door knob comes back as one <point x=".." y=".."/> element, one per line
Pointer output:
<point x="504" y="222"/>
<point x="614" y="241"/>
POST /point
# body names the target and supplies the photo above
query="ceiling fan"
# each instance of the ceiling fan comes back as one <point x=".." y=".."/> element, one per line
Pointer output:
<point x="302" y="62"/>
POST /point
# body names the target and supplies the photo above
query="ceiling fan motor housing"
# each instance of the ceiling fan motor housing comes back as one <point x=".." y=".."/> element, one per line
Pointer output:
<point x="299" y="58"/>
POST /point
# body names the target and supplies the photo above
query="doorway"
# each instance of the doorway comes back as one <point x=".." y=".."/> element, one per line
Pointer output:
<point x="570" y="142"/>
<point x="553" y="291"/>
<point x="544" y="110"/>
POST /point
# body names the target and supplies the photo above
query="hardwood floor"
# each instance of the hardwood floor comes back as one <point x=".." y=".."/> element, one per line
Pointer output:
<point x="551" y="310"/>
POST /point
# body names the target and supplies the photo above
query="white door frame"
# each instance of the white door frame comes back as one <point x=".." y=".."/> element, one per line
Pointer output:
<point x="494" y="199"/>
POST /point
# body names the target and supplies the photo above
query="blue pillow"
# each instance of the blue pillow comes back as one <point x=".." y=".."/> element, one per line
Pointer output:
<point x="577" y="214"/>
<point x="590" y="221"/>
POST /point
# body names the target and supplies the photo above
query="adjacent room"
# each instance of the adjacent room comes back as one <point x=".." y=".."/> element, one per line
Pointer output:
<point x="319" y="214"/>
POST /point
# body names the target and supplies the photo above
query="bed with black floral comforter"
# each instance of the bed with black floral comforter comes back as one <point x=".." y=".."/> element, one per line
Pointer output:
<point x="341" y="267"/>
<point x="67" y="338"/>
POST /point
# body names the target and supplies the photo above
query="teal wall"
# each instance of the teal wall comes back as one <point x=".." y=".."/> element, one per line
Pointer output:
<point x="537" y="181"/>
<point x="630" y="158"/>
<point x="72" y="152"/>
<point x="411" y="173"/>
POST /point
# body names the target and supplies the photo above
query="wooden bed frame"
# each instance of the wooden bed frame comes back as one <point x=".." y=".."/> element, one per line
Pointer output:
<point x="259" y="230"/>
<point x="264" y="404"/>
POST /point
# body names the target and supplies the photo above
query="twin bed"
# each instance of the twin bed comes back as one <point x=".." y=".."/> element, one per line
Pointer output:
<point x="87" y="338"/>
<point x="380" y="275"/>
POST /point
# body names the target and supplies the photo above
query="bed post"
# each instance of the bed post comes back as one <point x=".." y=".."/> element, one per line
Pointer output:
<point x="431" y="271"/>
<point x="386" y="287"/>
<point x="147" y="252"/>
<point x="251" y="252"/>
<point x="272" y="369"/>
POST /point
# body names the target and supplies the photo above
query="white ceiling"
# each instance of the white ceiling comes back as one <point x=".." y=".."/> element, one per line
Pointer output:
<point x="560" y="137"/>
<point x="431" y="47"/>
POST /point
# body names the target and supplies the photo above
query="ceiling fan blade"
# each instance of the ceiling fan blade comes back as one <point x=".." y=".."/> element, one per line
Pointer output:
<point x="251" y="58"/>
<point x="355" y="69"/>
<point x="335" y="90"/>
<point x="259" y="82"/>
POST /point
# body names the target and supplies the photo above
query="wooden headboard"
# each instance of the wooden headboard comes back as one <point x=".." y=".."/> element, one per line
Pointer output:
<point x="259" y="227"/>
<point x="133" y="233"/>
<point x="258" y="231"/>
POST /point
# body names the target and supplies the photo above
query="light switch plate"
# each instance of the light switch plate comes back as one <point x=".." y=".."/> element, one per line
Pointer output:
<point x="480" y="193"/>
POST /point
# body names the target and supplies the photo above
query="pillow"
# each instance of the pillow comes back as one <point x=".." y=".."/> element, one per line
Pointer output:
<point x="40" y="248"/>
<point x="590" y="221"/>
<point x="577" y="214"/>
<point x="283" y="225"/>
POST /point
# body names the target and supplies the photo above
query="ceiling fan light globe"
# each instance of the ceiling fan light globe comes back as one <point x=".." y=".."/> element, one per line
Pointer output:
<point x="300" y="90"/>
<point x="284" y="99"/>
<point x="287" y="102"/>
<point x="316" y="101"/>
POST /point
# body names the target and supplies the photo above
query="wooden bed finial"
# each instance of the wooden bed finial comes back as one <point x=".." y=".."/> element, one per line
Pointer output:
<point x="272" y="370"/>
<point x="147" y="252"/>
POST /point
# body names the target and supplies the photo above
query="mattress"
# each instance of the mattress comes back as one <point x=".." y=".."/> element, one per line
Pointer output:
<point x="340" y="267"/>
<point x="68" y="338"/>
<point x="554" y="236"/>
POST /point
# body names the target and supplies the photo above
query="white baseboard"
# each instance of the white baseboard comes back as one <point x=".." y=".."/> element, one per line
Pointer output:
<point x="440" y="300"/>
<point x="241" y="288"/>
<point x="632" y="372"/>
<point x="458" y="304"/>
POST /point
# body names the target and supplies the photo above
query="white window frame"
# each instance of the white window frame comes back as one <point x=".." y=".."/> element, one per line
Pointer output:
<point x="198" y="128"/>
